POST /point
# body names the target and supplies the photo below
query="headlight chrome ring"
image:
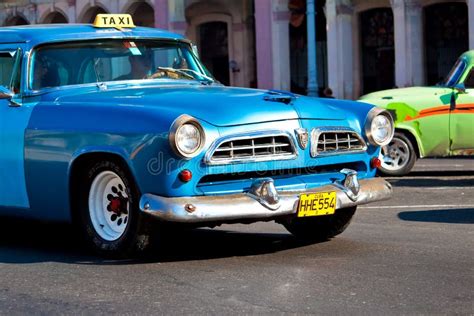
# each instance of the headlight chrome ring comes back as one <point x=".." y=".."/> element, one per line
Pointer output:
<point x="182" y="130"/>
<point x="379" y="127"/>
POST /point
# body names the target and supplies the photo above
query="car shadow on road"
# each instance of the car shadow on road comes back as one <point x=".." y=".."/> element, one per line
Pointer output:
<point x="436" y="179"/>
<point x="202" y="244"/>
<point x="24" y="241"/>
<point x="449" y="216"/>
<point x="441" y="173"/>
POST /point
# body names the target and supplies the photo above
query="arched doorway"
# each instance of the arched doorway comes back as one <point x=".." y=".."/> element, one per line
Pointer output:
<point x="299" y="46"/>
<point x="446" y="37"/>
<point x="378" y="53"/>
<point x="16" y="20"/>
<point x="213" y="42"/>
<point x="55" y="17"/>
<point x="143" y="14"/>
<point x="91" y="13"/>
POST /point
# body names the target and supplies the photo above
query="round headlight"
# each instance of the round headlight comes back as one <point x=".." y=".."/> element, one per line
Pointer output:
<point x="187" y="136"/>
<point x="379" y="127"/>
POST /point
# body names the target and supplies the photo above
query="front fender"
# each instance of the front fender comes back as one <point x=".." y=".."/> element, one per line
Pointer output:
<point x="57" y="135"/>
<point x="412" y="130"/>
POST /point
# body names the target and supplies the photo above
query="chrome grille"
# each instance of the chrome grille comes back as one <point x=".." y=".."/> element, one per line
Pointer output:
<point x="335" y="141"/>
<point x="256" y="147"/>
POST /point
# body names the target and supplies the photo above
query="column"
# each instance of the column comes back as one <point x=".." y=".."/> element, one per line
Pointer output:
<point x="409" y="59"/>
<point x="72" y="12"/>
<point x="176" y="19"/>
<point x="470" y="6"/>
<point x="339" y="17"/>
<point x="281" y="45"/>
<point x="272" y="44"/>
<point x="400" y="33"/>
<point x="415" y="44"/>
<point x="161" y="14"/>
<point x="311" y="31"/>
<point x="264" y="45"/>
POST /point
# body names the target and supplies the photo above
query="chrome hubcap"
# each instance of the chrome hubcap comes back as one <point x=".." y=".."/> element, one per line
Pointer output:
<point x="395" y="155"/>
<point x="109" y="206"/>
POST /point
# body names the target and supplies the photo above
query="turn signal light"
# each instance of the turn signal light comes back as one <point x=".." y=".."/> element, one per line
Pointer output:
<point x="375" y="163"/>
<point x="185" y="175"/>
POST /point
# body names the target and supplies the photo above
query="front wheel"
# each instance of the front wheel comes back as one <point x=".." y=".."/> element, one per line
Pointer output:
<point x="108" y="211"/>
<point x="398" y="157"/>
<point x="320" y="227"/>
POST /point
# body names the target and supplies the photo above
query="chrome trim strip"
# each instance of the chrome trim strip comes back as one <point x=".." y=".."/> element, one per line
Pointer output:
<point x="316" y="133"/>
<point x="231" y="207"/>
<point x="255" y="134"/>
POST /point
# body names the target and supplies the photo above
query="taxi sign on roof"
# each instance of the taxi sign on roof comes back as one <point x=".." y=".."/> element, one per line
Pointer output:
<point x="117" y="21"/>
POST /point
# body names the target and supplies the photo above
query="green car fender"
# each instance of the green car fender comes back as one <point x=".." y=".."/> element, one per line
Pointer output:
<point x="421" y="111"/>
<point x="437" y="120"/>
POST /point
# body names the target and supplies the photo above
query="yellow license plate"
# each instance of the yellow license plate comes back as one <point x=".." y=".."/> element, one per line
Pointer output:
<point x="317" y="204"/>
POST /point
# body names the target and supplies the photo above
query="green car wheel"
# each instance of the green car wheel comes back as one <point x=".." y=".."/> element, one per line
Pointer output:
<point x="398" y="157"/>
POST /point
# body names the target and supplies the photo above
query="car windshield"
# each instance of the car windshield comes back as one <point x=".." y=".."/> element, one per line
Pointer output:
<point x="76" y="63"/>
<point x="455" y="73"/>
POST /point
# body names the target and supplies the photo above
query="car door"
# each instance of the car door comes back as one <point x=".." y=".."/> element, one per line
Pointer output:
<point x="13" y="121"/>
<point x="461" y="125"/>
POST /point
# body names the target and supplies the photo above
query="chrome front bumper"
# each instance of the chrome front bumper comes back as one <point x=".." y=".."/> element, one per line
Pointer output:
<point x="261" y="202"/>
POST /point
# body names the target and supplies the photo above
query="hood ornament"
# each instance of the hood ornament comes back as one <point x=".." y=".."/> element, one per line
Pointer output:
<point x="303" y="137"/>
<point x="279" y="96"/>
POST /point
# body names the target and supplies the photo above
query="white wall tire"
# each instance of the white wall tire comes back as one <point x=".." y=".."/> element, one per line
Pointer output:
<point x="109" y="216"/>
<point x="109" y="207"/>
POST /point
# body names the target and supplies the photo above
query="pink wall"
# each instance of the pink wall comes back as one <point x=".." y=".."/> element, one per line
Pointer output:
<point x="263" y="29"/>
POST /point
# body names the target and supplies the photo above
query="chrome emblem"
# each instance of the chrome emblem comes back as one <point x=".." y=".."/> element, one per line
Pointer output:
<point x="303" y="137"/>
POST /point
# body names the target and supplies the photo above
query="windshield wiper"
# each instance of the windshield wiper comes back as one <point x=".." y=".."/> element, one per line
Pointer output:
<point x="159" y="70"/>
<point x="184" y="73"/>
<point x="207" y="78"/>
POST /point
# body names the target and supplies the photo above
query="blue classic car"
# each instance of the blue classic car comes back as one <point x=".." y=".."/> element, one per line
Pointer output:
<point x="110" y="126"/>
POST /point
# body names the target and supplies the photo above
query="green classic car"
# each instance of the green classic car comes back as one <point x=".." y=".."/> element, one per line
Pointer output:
<point x="430" y="121"/>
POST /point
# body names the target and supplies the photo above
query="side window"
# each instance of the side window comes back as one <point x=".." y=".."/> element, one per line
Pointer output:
<point x="48" y="73"/>
<point x="7" y="67"/>
<point x="469" y="81"/>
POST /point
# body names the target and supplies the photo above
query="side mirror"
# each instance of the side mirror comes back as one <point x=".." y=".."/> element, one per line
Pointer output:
<point x="5" y="93"/>
<point x="460" y="88"/>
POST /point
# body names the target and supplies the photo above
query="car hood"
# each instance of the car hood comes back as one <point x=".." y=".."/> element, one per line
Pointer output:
<point x="397" y="94"/>
<point x="217" y="105"/>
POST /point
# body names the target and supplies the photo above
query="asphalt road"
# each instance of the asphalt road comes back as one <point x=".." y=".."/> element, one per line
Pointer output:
<point x="413" y="254"/>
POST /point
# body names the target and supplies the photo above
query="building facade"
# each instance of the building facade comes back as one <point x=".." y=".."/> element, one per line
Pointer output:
<point x="361" y="45"/>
